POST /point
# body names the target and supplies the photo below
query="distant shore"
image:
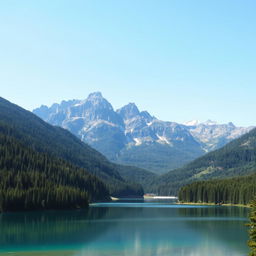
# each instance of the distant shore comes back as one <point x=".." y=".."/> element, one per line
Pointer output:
<point x="114" y="198"/>
<point x="213" y="204"/>
<point x="147" y="197"/>
<point x="182" y="203"/>
<point x="160" y="197"/>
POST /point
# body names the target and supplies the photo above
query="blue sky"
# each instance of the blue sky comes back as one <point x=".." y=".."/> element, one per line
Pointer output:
<point x="180" y="60"/>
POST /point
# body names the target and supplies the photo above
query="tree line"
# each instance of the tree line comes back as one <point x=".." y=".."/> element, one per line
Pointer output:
<point x="239" y="190"/>
<point x="32" y="180"/>
<point x="252" y="229"/>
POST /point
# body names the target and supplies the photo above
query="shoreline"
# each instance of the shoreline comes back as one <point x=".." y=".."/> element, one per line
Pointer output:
<point x="114" y="198"/>
<point x="160" y="197"/>
<point x="187" y="203"/>
<point x="145" y="197"/>
<point x="213" y="204"/>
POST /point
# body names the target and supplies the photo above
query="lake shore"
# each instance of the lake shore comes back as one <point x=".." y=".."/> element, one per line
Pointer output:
<point x="213" y="204"/>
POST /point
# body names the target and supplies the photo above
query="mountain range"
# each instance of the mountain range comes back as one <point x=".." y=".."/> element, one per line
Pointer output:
<point x="34" y="135"/>
<point x="44" y="166"/>
<point x="133" y="137"/>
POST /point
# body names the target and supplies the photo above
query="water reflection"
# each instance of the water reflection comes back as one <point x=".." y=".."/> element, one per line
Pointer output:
<point x="35" y="229"/>
<point x="173" y="230"/>
<point x="121" y="228"/>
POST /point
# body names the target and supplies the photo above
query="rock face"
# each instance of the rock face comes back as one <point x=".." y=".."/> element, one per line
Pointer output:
<point x="93" y="120"/>
<point x="212" y="135"/>
<point x="134" y="137"/>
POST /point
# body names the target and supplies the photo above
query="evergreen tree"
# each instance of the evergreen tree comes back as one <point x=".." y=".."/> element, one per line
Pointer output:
<point x="32" y="180"/>
<point x="252" y="229"/>
<point x="239" y="190"/>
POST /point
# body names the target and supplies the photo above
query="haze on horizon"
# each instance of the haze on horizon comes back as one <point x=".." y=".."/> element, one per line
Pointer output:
<point x="178" y="60"/>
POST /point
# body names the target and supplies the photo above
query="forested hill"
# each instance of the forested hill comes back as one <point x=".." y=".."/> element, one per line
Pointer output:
<point x="239" y="190"/>
<point x="32" y="180"/>
<point x="237" y="158"/>
<point x="30" y="130"/>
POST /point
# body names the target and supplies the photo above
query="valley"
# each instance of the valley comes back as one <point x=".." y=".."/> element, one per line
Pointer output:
<point x="127" y="128"/>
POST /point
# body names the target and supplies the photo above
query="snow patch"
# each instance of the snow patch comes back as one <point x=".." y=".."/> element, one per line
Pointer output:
<point x="96" y="123"/>
<point x="163" y="139"/>
<point x="137" y="141"/>
<point x="192" y="123"/>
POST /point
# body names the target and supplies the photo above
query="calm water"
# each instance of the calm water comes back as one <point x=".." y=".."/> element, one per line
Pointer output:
<point x="127" y="228"/>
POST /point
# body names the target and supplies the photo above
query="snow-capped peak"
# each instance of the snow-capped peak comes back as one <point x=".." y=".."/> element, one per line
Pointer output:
<point x="197" y="122"/>
<point x="210" y="122"/>
<point x="192" y="123"/>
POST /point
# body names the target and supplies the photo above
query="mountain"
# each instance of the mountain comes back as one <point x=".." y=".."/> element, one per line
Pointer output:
<point x="133" y="137"/>
<point x="61" y="144"/>
<point x="212" y="135"/>
<point x="154" y="144"/>
<point x="237" y="158"/>
<point x="92" y="120"/>
<point x="128" y="136"/>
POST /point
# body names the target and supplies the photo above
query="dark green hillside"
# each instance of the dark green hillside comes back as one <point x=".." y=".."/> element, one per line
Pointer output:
<point x="159" y="158"/>
<point x="32" y="180"/>
<point x="137" y="175"/>
<point x="239" y="190"/>
<point x="237" y="158"/>
<point x="30" y="130"/>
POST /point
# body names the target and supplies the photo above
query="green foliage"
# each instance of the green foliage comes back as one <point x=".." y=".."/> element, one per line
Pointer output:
<point x="128" y="190"/>
<point x="136" y="175"/>
<point x="252" y="229"/>
<point x="35" y="180"/>
<point x="239" y="190"/>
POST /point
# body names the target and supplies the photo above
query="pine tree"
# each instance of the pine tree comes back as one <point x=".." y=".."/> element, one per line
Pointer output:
<point x="252" y="229"/>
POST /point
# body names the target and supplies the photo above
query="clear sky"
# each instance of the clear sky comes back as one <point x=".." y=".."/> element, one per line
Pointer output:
<point x="178" y="59"/>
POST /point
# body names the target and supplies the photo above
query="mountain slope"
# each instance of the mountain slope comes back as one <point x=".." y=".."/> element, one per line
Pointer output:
<point x="92" y="120"/>
<point x="235" y="159"/>
<point x="31" y="180"/>
<point x="59" y="143"/>
<point x="138" y="175"/>
<point x="154" y="144"/>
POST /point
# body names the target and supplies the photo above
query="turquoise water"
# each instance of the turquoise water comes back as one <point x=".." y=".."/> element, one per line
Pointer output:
<point x="131" y="228"/>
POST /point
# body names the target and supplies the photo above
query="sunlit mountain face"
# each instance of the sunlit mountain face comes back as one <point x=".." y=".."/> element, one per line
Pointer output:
<point x="133" y="137"/>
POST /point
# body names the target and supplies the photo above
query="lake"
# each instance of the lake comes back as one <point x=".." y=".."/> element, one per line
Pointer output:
<point x="132" y="228"/>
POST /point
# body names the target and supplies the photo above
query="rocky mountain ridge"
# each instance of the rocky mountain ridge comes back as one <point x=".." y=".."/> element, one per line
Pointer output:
<point x="212" y="135"/>
<point x="134" y="137"/>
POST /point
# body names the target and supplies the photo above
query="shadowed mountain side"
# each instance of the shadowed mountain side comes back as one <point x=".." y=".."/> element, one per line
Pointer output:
<point x="136" y="175"/>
